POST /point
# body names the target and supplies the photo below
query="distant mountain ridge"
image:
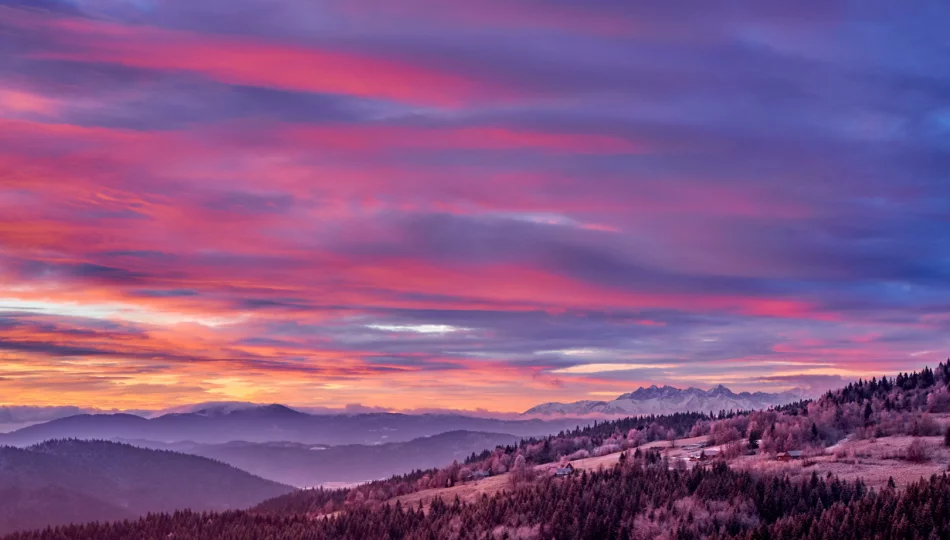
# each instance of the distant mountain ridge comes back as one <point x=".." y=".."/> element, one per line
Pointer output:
<point x="269" y="423"/>
<point x="667" y="400"/>
<point x="13" y="417"/>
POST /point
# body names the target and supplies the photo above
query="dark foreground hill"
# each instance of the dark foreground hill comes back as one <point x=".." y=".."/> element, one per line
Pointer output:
<point x="68" y="481"/>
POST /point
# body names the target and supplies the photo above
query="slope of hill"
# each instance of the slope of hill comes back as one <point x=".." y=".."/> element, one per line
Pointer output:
<point x="598" y="439"/>
<point x="306" y="465"/>
<point x="65" y="481"/>
<point x="27" y="508"/>
<point x="668" y="400"/>
<point x="274" y="423"/>
<point x="643" y="498"/>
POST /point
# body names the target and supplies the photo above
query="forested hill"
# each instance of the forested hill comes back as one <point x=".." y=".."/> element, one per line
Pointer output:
<point x="638" y="499"/>
<point x="600" y="437"/>
<point x="68" y="481"/>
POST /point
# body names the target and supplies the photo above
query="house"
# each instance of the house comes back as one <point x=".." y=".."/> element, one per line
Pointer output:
<point x="790" y="455"/>
<point x="566" y="470"/>
<point x="703" y="455"/>
<point x="480" y="475"/>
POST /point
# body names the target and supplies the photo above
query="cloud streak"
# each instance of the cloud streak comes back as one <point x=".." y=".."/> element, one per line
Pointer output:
<point x="451" y="204"/>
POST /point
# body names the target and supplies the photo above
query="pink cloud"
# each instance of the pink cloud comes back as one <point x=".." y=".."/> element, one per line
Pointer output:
<point x="254" y="62"/>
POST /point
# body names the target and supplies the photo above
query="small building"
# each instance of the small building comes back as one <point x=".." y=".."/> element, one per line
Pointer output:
<point x="703" y="455"/>
<point x="480" y="475"/>
<point x="566" y="470"/>
<point x="790" y="455"/>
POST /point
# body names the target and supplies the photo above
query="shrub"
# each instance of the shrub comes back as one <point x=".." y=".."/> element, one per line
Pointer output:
<point x="580" y="454"/>
<point x="606" y="449"/>
<point x="917" y="452"/>
<point x="521" y="471"/>
<point x="754" y="436"/>
<point x="841" y="452"/>
<point x="732" y="450"/>
<point x="925" y="426"/>
<point x="722" y="433"/>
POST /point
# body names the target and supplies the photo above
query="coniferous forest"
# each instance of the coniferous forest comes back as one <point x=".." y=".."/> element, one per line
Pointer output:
<point x="642" y="497"/>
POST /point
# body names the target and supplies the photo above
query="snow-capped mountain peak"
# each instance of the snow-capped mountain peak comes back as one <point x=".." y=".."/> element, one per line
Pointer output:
<point x="720" y="390"/>
<point x="210" y="408"/>
<point x="669" y="399"/>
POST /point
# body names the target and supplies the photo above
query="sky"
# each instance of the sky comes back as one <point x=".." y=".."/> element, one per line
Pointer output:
<point x="458" y="204"/>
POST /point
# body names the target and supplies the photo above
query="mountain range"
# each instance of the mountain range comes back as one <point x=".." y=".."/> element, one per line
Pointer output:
<point x="221" y="423"/>
<point x="667" y="400"/>
<point x="67" y="481"/>
<point x="269" y="423"/>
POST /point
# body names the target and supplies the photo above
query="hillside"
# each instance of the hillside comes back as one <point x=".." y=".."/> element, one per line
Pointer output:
<point x="874" y="462"/>
<point x="312" y="465"/>
<point x="472" y="491"/>
<point x="599" y="439"/>
<point x="274" y="423"/>
<point x="66" y="481"/>
<point x="642" y="499"/>
<point x="668" y="400"/>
